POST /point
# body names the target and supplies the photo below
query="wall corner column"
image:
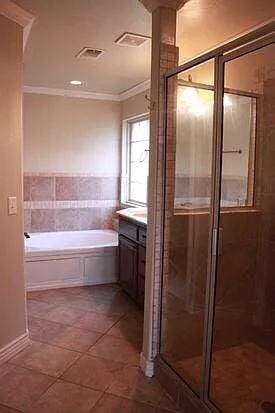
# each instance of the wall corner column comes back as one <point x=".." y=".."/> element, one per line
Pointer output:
<point x="164" y="57"/>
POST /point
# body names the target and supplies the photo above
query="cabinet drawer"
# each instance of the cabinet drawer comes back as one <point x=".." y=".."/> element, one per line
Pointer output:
<point x="141" y="291"/>
<point x="128" y="229"/>
<point x="141" y="260"/>
<point x="142" y="235"/>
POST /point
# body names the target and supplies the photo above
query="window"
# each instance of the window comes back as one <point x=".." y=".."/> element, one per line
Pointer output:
<point x="136" y="161"/>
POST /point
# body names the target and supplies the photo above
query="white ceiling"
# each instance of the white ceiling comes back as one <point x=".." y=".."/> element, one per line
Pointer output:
<point x="63" y="27"/>
<point x="204" y="24"/>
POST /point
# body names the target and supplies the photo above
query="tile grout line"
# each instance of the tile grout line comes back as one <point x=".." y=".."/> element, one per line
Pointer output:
<point x="77" y="308"/>
<point x="10" y="407"/>
<point x="80" y="354"/>
<point x="65" y="325"/>
<point x="97" y="402"/>
<point x="44" y="392"/>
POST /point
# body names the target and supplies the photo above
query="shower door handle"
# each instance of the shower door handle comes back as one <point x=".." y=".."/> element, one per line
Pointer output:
<point x="217" y="241"/>
<point x="220" y="237"/>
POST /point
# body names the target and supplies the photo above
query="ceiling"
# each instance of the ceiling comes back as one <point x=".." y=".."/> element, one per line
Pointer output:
<point x="63" y="27"/>
<point x="204" y="24"/>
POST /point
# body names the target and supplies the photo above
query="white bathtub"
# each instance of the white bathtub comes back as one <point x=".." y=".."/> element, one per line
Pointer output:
<point x="70" y="258"/>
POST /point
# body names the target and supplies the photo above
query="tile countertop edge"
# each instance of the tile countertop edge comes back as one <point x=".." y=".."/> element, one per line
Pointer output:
<point x="128" y="213"/>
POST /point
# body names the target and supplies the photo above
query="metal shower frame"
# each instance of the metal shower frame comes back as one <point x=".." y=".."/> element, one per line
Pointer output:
<point x="247" y="43"/>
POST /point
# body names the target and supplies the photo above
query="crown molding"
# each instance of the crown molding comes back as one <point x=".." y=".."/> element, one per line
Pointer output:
<point x="89" y="95"/>
<point x="20" y="16"/>
<point x="70" y="93"/>
<point x="141" y="87"/>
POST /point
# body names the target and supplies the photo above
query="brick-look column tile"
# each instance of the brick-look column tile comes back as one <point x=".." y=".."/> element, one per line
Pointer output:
<point x="168" y="60"/>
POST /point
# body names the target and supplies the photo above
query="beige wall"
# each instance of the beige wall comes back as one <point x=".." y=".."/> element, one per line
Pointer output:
<point x="71" y="135"/>
<point x="135" y="106"/>
<point x="12" y="294"/>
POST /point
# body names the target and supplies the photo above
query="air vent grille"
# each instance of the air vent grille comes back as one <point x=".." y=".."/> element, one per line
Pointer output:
<point x="89" y="53"/>
<point x="132" y="39"/>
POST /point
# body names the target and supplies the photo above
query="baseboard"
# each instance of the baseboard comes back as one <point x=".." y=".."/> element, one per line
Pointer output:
<point x="14" y="347"/>
<point x="147" y="366"/>
<point x="66" y="283"/>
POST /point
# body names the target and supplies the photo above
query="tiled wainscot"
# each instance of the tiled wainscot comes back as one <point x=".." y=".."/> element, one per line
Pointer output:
<point x="61" y="202"/>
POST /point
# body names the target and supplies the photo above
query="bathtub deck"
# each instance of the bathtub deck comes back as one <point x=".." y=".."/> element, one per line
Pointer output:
<point x="84" y="356"/>
<point x="70" y="259"/>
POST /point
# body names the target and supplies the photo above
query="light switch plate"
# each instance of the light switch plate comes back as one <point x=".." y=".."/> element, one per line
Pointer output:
<point x="12" y="205"/>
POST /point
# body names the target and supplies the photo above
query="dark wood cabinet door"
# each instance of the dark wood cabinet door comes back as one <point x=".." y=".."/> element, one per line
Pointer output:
<point x="141" y="260"/>
<point x="141" y="291"/>
<point x="128" y="255"/>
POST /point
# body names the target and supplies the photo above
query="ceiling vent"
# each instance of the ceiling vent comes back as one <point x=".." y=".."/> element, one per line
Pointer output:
<point x="89" y="53"/>
<point x="132" y="39"/>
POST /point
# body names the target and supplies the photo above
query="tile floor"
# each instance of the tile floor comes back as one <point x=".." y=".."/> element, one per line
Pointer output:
<point x="242" y="377"/>
<point x="83" y="357"/>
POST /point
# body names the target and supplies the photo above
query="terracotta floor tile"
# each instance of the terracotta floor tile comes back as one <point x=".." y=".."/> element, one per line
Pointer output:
<point x="100" y="291"/>
<point x="96" y="321"/>
<point x="4" y="409"/>
<point x="128" y="327"/>
<point x="94" y="372"/>
<point x="43" y="330"/>
<point x="132" y="384"/>
<point x="113" y="404"/>
<point x="94" y="304"/>
<point x="89" y="304"/>
<point x="242" y="377"/>
<point x="50" y="296"/>
<point x="19" y="387"/>
<point x="64" y="397"/>
<point x="167" y="403"/>
<point x="74" y="319"/>
<point x="117" y="349"/>
<point x="76" y="339"/>
<point x="64" y="314"/>
<point x="241" y="406"/>
<point x="119" y="306"/>
<point x="60" y="335"/>
<point x="38" y="308"/>
<point x="45" y="358"/>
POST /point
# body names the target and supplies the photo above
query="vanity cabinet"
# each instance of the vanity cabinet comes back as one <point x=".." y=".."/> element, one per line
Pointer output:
<point x="128" y="256"/>
<point x="132" y="259"/>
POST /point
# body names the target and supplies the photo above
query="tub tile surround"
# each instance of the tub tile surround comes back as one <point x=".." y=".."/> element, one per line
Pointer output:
<point x="62" y="202"/>
<point x="200" y="186"/>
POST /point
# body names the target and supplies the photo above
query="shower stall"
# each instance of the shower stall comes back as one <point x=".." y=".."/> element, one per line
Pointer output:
<point x="217" y="321"/>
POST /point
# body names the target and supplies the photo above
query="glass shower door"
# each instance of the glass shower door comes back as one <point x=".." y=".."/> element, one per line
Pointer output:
<point x="188" y="204"/>
<point x="217" y="330"/>
<point x="243" y="349"/>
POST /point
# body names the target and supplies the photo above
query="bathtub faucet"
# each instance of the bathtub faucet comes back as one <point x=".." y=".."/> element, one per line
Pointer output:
<point x="26" y="235"/>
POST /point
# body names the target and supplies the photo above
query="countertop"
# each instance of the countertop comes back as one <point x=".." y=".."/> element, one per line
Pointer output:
<point x="138" y="215"/>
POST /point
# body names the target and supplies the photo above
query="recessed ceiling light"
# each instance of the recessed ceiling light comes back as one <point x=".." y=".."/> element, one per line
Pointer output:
<point x="76" y="82"/>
